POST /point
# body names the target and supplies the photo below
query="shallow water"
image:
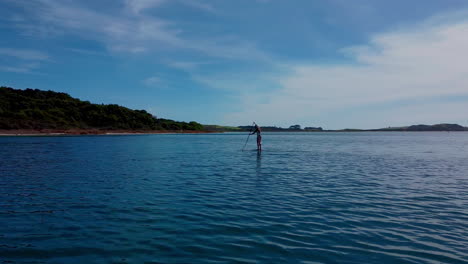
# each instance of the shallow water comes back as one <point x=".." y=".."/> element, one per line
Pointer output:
<point x="307" y="198"/>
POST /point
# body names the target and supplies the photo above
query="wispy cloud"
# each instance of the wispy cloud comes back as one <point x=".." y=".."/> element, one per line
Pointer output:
<point x="237" y="82"/>
<point x="21" y="60"/>
<point x="118" y="31"/>
<point x="87" y="52"/>
<point x="130" y="29"/>
<point x="23" y="68"/>
<point x="136" y="6"/>
<point x="24" y="54"/>
<point x="152" y="80"/>
<point x="156" y="82"/>
<point x="425" y="61"/>
<point x="204" y="6"/>
<point x="188" y="66"/>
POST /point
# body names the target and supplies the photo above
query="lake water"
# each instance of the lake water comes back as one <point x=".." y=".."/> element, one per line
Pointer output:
<point x="307" y="198"/>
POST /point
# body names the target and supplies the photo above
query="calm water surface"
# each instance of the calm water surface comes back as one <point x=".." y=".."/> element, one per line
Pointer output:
<point x="307" y="198"/>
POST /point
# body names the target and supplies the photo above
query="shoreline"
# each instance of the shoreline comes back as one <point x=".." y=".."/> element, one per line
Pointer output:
<point x="84" y="132"/>
<point x="123" y="132"/>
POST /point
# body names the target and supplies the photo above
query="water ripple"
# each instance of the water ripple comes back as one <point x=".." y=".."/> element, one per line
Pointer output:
<point x="308" y="198"/>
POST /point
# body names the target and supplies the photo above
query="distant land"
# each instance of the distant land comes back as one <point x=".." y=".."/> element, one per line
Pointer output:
<point x="413" y="128"/>
<point x="437" y="127"/>
<point x="34" y="111"/>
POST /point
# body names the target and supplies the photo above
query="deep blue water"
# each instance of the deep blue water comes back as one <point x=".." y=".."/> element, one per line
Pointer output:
<point x="307" y="198"/>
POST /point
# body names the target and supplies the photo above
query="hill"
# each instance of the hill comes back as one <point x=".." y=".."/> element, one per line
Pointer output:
<point x="37" y="109"/>
<point x="436" y="127"/>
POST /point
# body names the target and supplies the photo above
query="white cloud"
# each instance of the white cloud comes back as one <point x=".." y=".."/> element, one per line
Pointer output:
<point x="425" y="61"/>
<point x="119" y="31"/>
<point x="130" y="29"/>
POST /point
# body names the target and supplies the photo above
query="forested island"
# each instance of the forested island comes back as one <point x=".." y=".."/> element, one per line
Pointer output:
<point x="33" y="109"/>
<point x="437" y="127"/>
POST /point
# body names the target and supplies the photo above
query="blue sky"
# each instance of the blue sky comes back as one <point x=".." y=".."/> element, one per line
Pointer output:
<point x="335" y="63"/>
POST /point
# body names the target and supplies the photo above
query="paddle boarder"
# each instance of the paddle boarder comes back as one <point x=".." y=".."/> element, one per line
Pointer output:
<point x="259" y="136"/>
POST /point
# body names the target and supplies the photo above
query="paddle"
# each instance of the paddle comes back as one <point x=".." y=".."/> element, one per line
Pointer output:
<point x="248" y="136"/>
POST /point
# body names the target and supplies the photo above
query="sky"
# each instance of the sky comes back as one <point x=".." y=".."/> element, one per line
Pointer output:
<point x="329" y="63"/>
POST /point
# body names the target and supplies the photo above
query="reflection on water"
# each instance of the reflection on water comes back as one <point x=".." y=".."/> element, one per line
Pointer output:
<point x="259" y="162"/>
<point x="306" y="198"/>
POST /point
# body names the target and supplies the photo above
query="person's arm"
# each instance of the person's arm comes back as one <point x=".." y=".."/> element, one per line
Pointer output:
<point x="255" y="131"/>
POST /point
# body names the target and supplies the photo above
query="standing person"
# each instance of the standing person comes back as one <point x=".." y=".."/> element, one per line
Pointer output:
<point x="259" y="136"/>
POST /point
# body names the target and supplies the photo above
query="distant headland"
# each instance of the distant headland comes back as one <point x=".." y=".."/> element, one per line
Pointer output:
<point x="297" y="128"/>
<point x="33" y="111"/>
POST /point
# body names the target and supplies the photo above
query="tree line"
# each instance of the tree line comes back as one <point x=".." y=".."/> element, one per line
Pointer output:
<point x="277" y="129"/>
<point x="38" y="109"/>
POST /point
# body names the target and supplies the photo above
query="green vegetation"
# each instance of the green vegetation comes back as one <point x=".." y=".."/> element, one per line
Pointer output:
<point x="293" y="128"/>
<point x="437" y="127"/>
<point x="221" y="128"/>
<point x="37" y="109"/>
